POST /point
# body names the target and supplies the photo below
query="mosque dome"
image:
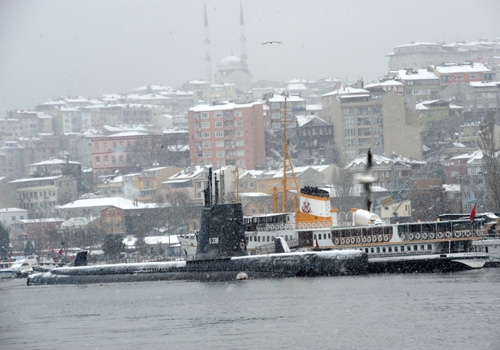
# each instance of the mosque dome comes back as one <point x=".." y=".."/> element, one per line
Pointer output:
<point x="230" y="60"/>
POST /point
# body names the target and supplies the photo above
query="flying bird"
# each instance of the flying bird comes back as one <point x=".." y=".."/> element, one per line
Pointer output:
<point x="272" y="42"/>
<point x="367" y="179"/>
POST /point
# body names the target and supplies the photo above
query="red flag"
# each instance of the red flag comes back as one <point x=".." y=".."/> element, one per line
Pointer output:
<point x="472" y="213"/>
<point x="60" y="251"/>
<point x="317" y="244"/>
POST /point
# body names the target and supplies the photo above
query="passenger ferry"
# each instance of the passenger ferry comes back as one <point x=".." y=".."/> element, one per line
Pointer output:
<point x="411" y="247"/>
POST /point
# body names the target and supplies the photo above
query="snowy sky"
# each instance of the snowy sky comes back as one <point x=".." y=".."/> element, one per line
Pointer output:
<point x="52" y="48"/>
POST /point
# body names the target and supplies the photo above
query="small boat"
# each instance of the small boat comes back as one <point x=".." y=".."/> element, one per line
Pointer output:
<point x="47" y="264"/>
<point x="22" y="267"/>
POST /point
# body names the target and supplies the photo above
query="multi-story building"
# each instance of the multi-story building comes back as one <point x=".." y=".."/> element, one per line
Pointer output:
<point x="8" y="198"/>
<point x="477" y="98"/>
<point x="12" y="160"/>
<point x="149" y="182"/>
<point x="33" y="123"/>
<point x="10" y="215"/>
<point x="440" y="120"/>
<point x="40" y="195"/>
<point x="117" y="153"/>
<point x="278" y="105"/>
<point x="310" y="141"/>
<point x="453" y="73"/>
<point x="190" y="182"/>
<point x="457" y="167"/>
<point x="41" y="233"/>
<point x="363" y="121"/>
<point x="423" y="54"/>
<point x="419" y="84"/>
<point x="37" y="149"/>
<point x="54" y="166"/>
<point x="227" y="134"/>
<point x="113" y="220"/>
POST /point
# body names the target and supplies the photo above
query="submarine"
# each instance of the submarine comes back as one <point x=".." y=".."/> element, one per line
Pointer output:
<point x="221" y="255"/>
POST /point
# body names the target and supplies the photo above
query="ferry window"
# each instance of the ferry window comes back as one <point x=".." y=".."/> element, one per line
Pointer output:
<point x="415" y="247"/>
<point x="402" y="248"/>
<point x="389" y="249"/>
<point x="408" y="248"/>
<point x="319" y="236"/>
<point x="273" y="238"/>
<point x="383" y="249"/>
<point x="429" y="247"/>
<point x="372" y="250"/>
<point x="395" y="249"/>
<point x="251" y="238"/>
<point x="366" y="250"/>
<point x="422" y="247"/>
<point x="258" y="239"/>
<point x="329" y="236"/>
<point x="378" y="249"/>
<point x="268" y="238"/>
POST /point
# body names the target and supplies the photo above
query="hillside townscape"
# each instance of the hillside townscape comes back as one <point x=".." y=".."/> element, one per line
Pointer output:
<point x="129" y="169"/>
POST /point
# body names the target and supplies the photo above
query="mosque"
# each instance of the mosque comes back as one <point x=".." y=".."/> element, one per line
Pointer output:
<point x="232" y="69"/>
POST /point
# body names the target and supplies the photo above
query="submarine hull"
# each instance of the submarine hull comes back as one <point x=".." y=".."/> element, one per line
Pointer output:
<point x="328" y="263"/>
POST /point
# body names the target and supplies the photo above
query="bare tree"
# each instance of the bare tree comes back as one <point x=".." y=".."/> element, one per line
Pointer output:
<point x="344" y="191"/>
<point x="491" y="162"/>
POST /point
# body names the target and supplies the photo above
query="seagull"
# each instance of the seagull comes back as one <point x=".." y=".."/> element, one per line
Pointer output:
<point x="367" y="179"/>
<point x="272" y="42"/>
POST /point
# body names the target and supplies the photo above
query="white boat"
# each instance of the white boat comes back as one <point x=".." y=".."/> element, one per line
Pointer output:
<point x="413" y="247"/>
<point x="47" y="264"/>
<point x="188" y="244"/>
<point x="6" y="271"/>
<point x="22" y="267"/>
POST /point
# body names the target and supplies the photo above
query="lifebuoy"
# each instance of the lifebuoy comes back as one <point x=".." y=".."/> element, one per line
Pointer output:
<point x="448" y="234"/>
<point x="363" y="239"/>
<point x="440" y="235"/>
<point x="417" y="236"/>
<point x="402" y="236"/>
<point x="336" y="241"/>
<point x="468" y="233"/>
<point x="368" y="239"/>
<point x="380" y="238"/>
<point x="424" y="235"/>
<point x="386" y="238"/>
<point x="410" y="236"/>
<point x="358" y="240"/>
<point x="432" y="235"/>
<point x="342" y="241"/>
<point x="458" y="234"/>
<point x="353" y="240"/>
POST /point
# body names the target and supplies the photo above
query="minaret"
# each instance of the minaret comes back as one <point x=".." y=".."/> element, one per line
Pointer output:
<point x="208" y="59"/>
<point x="242" y="35"/>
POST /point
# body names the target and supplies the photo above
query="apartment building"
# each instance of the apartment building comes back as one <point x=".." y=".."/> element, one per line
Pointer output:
<point x="419" y="84"/>
<point x="453" y="73"/>
<point x="363" y="121"/>
<point x="40" y="195"/>
<point x="227" y="134"/>
<point x="477" y="98"/>
<point x="423" y="54"/>
<point x="278" y="105"/>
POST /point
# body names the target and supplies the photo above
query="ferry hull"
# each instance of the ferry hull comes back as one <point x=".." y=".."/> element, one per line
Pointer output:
<point x="428" y="263"/>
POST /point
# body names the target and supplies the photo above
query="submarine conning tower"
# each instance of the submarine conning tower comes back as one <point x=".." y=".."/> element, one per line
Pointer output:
<point x="221" y="232"/>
